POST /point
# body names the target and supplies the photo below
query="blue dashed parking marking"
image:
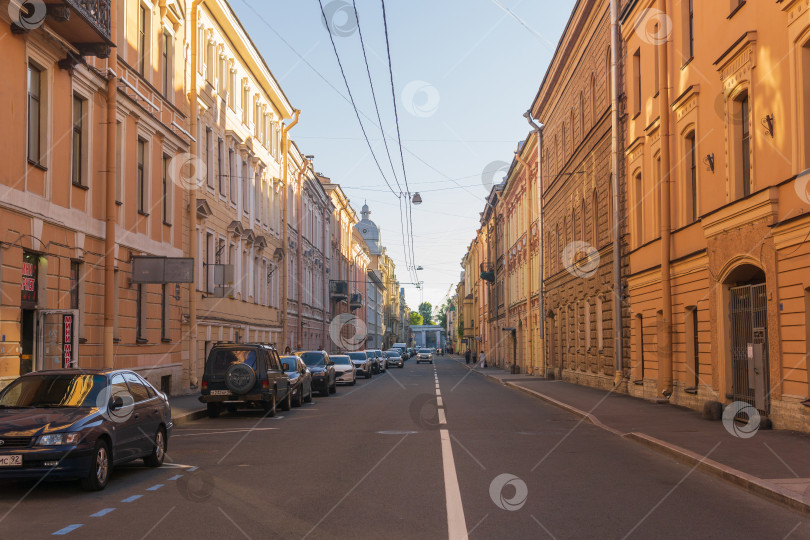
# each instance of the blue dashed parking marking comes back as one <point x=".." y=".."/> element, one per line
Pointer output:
<point x="155" y="487"/>
<point x="131" y="499"/>
<point x="103" y="513"/>
<point x="175" y="477"/>
<point x="193" y="469"/>
<point x="69" y="528"/>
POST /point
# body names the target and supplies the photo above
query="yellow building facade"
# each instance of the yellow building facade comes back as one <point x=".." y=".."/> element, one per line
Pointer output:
<point x="716" y="149"/>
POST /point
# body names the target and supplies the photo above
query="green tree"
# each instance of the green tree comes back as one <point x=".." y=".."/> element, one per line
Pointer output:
<point x="443" y="315"/>
<point x="416" y="318"/>
<point x="426" y="310"/>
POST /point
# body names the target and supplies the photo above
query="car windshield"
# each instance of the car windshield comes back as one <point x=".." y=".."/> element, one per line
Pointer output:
<point x="313" y="358"/>
<point x="342" y="360"/>
<point x="358" y="356"/>
<point x="222" y="359"/>
<point x="392" y="354"/>
<point x="54" y="390"/>
<point x="425" y="351"/>
<point x="289" y="363"/>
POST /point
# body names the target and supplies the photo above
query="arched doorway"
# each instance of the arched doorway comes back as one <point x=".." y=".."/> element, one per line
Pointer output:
<point x="748" y="325"/>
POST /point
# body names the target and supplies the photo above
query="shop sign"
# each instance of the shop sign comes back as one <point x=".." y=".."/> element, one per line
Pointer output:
<point x="67" y="340"/>
<point x="28" y="280"/>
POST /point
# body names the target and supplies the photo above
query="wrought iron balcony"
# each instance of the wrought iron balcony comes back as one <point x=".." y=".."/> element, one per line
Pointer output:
<point x="338" y="290"/>
<point x="356" y="301"/>
<point x="83" y="23"/>
<point x="488" y="272"/>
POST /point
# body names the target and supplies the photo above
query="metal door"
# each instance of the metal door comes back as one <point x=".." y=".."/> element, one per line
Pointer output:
<point x="749" y="346"/>
<point x="56" y="339"/>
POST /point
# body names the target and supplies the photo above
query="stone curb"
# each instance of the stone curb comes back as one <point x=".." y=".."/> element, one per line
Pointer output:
<point x="734" y="476"/>
<point x="187" y="417"/>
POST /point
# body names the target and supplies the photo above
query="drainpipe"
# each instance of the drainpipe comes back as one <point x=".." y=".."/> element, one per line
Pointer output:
<point x="285" y="148"/>
<point x="665" y="382"/>
<point x="541" y="310"/>
<point x="528" y="278"/>
<point x="299" y="271"/>
<point x="614" y="155"/>
<point x="110" y="209"/>
<point x="192" y="202"/>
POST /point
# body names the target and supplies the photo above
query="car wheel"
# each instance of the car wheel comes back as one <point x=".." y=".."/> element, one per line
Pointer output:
<point x="325" y="390"/>
<point x="100" y="465"/>
<point x="299" y="397"/>
<point x="155" y="459"/>
<point x="308" y="399"/>
<point x="354" y="381"/>
<point x="270" y="407"/>
<point x="233" y="409"/>
<point x="333" y="388"/>
<point x="286" y="405"/>
<point x="213" y="409"/>
<point x="368" y="374"/>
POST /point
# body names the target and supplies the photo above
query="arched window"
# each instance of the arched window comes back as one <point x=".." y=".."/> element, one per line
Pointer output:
<point x="593" y="100"/>
<point x="581" y="116"/>
<point x="607" y="77"/>
<point x="582" y="220"/>
<point x="638" y="210"/>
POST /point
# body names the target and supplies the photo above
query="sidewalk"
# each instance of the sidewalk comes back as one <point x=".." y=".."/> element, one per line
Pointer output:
<point x="772" y="463"/>
<point x="186" y="408"/>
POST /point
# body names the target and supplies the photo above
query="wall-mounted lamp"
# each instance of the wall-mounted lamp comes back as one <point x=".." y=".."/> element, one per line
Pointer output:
<point x="767" y="123"/>
<point x="709" y="161"/>
<point x="417" y="199"/>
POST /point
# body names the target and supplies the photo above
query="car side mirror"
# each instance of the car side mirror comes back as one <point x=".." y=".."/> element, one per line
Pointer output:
<point x="117" y="403"/>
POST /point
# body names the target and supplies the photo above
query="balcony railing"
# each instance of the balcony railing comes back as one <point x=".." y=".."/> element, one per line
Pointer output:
<point x="356" y="301"/>
<point x="83" y="23"/>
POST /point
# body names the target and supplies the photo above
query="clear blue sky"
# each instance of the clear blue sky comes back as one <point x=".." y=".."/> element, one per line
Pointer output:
<point x="464" y="73"/>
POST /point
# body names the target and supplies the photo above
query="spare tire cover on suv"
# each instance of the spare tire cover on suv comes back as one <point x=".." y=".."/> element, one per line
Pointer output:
<point x="240" y="378"/>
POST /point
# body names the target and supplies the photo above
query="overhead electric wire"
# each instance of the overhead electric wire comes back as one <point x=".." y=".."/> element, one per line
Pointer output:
<point x="351" y="98"/>
<point x="402" y="223"/>
<point x="409" y="211"/>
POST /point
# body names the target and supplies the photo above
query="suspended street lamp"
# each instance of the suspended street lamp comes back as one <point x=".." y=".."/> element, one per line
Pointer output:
<point x="417" y="199"/>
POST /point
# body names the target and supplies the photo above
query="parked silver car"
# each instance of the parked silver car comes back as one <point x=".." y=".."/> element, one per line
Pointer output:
<point x="362" y="363"/>
<point x="424" y="355"/>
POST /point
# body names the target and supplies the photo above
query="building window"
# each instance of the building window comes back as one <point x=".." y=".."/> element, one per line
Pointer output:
<point x="75" y="277"/>
<point x="692" y="349"/>
<point x="639" y="209"/>
<point x="232" y="175"/>
<point x="142" y="33"/>
<point x="600" y="338"/>
<point x="34" y="113"/>
<point x="209" y="257"/>
<point x="165" y="307"/>
<point x="140" y="314"/>
<point x="165" y="199"/>
<point x="595" y="218"/>
<point x="120" y="160"/>
<point x="691" y="27"/>
<point x="165" y="64"/>
<point x="691" y="180"/>
<point x="78" y="143"/>
<point x="209" y="61"/>
<point x="637" y="82"/>
<point x="209" y="140"/>
<point x="140" y="184"/>
<point x="656" y="193"/>
<point x="741" y="141"/>
<point x="245" y="188"/>
<point x="656" y="74"/>
<point x="220" y="170"/>
<point x="117" y="305"/>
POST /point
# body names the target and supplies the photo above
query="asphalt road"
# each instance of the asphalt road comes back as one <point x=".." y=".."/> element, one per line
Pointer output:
<point x="377" y="461"/>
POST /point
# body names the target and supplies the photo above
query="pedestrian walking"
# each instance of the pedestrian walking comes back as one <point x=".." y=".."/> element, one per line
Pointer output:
<point x="483" y="360"/>
<point x="467" y="356"/>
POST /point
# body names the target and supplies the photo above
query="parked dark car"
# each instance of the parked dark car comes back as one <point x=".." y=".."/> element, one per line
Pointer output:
<point x="375" y="362"/>
<point x="323" y="370"/>
<point x="381" y="358"/>
<point x="300" y="379"/>
<point x="411" y="352"/>
<point x="395" y="358"/>
<point x="361" y="362"/>
<point x="244" y="376"/>
<point x="79" y="424"/>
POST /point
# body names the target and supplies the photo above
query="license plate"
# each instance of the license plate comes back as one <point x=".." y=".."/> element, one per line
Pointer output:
<point x="11" y="461"/>
<point x="220" y="392"/>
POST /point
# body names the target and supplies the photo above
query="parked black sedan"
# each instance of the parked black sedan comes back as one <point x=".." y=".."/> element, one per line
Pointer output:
<point x="79" y="424"/>
<point x="323" y="370"/>
<point x="300" y="379"/>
